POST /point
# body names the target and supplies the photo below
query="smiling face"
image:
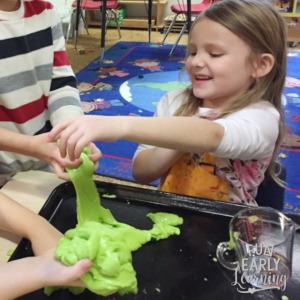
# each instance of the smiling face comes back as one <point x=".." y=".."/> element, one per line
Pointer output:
<point x="218" y="64"/>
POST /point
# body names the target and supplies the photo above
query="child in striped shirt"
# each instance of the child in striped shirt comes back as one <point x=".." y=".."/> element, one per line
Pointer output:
<point x="37" y="86"/>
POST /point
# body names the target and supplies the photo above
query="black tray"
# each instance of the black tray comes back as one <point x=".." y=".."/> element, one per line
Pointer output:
<point x="181" y="267"/>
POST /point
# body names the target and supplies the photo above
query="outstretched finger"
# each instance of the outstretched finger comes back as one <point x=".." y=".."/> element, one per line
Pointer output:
<point x="80" y="145"/>
<point x="70" y="141"/>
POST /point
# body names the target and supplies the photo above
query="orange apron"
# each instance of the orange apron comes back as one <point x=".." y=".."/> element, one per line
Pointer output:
<point x="191" y="178"/>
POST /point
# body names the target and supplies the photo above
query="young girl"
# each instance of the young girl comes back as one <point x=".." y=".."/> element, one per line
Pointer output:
<point x="217" y="138"/>
<point x="25" y="275"/>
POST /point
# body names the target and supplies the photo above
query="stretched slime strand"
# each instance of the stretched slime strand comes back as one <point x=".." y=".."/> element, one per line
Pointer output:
<point x="105" y="241"/>
<point x="87" y="196"/>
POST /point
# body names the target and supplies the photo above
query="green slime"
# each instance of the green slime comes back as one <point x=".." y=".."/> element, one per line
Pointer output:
<point x="105" y="241"/>
<point x="233" y="236"/>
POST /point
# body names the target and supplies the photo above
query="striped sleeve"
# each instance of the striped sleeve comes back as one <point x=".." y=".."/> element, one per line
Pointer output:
<point x="38" y="82"/>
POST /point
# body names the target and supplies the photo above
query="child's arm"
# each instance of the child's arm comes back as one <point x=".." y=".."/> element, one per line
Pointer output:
<point x="32" y="273"/>
<point x="185" y="134"/>
<point x="23" y="222"/>
<point x="151" y="164"/>
<point x="28" y="274"/>
<point x="63" y="98"/>
<point x="37" y="146"/>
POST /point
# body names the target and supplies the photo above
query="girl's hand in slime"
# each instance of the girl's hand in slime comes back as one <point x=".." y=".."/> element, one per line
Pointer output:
<point x="55" y="273"/>
<point x="75" y="134"/>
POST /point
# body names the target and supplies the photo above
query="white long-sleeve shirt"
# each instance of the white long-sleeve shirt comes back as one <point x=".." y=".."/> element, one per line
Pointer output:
<point x="246" y="149"/>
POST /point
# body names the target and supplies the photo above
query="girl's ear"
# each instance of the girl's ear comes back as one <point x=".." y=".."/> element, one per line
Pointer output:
<point x="263" y="65"/>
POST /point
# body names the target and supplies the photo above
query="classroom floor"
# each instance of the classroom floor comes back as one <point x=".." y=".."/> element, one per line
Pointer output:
<point x="89" y="45"/>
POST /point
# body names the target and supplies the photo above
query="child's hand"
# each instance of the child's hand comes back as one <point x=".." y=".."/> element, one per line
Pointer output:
<point x="40" y="148"/>
<point x="95" y="154"/>
<point x="60" y="170"/>
<point x="54" y="273"/>
<point x="75" y="134"/>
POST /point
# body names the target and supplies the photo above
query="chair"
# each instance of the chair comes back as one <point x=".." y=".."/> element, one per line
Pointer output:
<point x="94" y="5"/>
<point x="181" y="9"/>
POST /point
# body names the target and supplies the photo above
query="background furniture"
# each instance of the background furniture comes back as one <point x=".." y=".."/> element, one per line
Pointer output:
<point x="135" y="11"/>
<point x="90" y="5"/>
<point x="291" y="12"/>
<point x="183" y="9"/>
<point x="104" y="24"/>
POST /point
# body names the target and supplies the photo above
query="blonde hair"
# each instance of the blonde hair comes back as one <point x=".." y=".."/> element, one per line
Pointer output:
<point x="260" y="25"/>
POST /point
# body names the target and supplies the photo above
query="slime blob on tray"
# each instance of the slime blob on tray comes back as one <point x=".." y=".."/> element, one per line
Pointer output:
<point x="105" y="241"/>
